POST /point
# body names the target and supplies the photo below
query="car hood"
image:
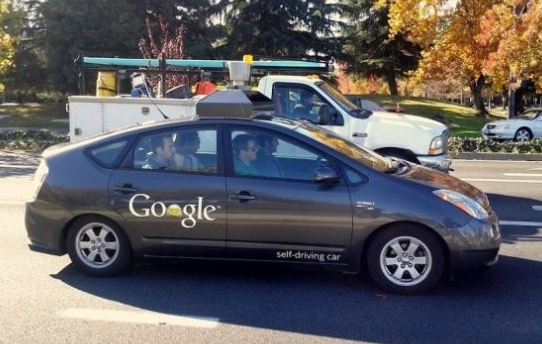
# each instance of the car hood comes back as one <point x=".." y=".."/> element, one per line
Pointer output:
<point x="441" y="180"/>
<point x="416" y="123"/>
<point x="508" y="121"/>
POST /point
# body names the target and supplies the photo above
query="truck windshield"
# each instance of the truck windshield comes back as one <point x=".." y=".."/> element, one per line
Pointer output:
<point x="351" y="149"/>
<point x="341" y="100"/>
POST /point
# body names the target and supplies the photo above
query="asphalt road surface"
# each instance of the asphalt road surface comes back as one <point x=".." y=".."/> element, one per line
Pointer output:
<point x="43" y="299"/>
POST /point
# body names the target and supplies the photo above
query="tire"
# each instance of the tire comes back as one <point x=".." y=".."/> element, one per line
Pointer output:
<point x="523" y="135"/>
<point x="398" y="272"/>
<point x="98" y="247"/>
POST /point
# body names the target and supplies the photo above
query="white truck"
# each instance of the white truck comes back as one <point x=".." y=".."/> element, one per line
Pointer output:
<point x="413" y="138"/>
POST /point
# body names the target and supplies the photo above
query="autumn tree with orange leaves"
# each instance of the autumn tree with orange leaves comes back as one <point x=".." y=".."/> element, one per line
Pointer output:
<point x="448" y="35"/>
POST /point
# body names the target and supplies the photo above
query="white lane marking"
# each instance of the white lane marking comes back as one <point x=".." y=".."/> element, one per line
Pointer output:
<point x="138" y="317"/>
<point x="18" y="166"/>
<point x="501" y="180"/>
<point x="523" y="174"/>
<point x="534" y="169"/>
<point x="537" y="207"/>
<point x="521" y="223"/>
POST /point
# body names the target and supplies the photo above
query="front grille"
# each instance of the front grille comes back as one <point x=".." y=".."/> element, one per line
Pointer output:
<point x="445" y="141"/>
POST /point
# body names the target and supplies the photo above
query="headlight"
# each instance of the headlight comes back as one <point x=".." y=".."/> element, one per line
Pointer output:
<point x="464" y="203"/>
<point x="435" y="147"/>
<point x="39" y="177"/>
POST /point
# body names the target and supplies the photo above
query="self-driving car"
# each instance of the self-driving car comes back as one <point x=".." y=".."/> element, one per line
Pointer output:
<point x="522" y="129"/>
<point x="256" y="190"/>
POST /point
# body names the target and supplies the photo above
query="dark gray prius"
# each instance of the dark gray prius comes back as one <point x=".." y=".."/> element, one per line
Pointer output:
<point x="256" y="190"/>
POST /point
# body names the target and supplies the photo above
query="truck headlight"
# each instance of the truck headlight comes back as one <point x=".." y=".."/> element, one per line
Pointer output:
<point x="435" y="148"/>
<point x="468" y="205"/>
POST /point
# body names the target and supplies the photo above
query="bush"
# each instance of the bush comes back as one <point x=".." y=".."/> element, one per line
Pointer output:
<point x="32" y="140"/>
<point x="479" y="145"/>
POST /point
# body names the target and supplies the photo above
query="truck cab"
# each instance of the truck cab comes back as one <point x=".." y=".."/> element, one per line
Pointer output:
<point x="413" y="138"/>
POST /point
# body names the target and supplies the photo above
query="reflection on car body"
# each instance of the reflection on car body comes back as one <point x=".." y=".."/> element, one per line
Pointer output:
<point x="324" y="202"/>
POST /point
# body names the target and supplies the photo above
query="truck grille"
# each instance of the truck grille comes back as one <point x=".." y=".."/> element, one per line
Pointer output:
<point x="445" y="142"/>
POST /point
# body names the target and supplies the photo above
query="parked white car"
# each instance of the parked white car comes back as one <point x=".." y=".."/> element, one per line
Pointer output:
<point x="522" y="129"/>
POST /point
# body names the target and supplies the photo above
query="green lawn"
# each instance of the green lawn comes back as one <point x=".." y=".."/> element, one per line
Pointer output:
<point x="34" y="115"/>
<point x="462" y="119"/>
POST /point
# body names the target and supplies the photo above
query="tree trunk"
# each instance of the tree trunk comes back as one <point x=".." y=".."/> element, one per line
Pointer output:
<point x="476" y="87"/>
<point x="392" y="83"/>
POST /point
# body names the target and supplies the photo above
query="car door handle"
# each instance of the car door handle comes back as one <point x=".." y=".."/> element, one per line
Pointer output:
<point x="242" y="196"/>
<point x="125" y="188"/>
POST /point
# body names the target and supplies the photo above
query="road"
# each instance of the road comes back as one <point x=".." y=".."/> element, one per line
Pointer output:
<point x="44" y="300"/>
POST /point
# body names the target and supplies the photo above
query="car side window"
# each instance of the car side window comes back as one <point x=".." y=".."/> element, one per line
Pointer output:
<point x="260" y="153"/>
<point x="109" y="153"/>
<point x="303" y="103"/>
<point x="183" y="150"/>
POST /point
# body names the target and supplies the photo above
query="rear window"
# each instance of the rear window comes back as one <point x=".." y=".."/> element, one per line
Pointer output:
<point x="108" y="154"/>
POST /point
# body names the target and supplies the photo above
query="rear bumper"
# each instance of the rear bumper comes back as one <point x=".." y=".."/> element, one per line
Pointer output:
<point x="45" y="223"/>
<point x="437" y="162"/>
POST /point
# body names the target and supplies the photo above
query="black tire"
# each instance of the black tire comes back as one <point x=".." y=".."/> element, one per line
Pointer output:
<point x="523" y="135"/>
<point x="402" y="275"/>
<point x="98" y="246"/>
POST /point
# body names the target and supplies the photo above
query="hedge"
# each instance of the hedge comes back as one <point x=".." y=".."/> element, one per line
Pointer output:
<point x="31" y="140"/>
<point x="38" y="140"/>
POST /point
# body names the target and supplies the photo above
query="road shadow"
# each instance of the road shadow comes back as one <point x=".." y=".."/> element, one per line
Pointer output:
<point x="18" y="163"/>
<point x="511" y="208"/>
<point x="500" y="306"/>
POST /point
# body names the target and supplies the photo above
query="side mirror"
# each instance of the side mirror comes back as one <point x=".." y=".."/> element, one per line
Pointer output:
<point x="325" y="174"/>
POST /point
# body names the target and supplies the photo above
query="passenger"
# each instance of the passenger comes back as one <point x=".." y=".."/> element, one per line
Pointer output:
<point x="188" y="145"/>
<point x="266" y="162"/>
<point x="304" y="107"/>
<point x="245" y="151"/>
<point x="163" y="153"/>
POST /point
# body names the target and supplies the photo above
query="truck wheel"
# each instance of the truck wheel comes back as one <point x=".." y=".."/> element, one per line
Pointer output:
<point x="98" y="247"/>
<point x="405" y="260"/>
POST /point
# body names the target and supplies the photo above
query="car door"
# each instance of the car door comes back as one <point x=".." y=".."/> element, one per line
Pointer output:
<point x="537" y="125"/>
<point x="174" y="211"/>
<point x="285" y="216"/>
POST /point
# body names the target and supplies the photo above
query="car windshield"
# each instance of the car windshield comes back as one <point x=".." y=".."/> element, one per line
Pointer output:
<point x="342" y="101"/>
<point x="348" y="148"/>
<point x="530" y="115"/>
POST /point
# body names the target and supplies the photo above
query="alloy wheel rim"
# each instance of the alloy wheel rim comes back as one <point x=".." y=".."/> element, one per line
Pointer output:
<point x="97" y="245"/>
<point x="522" y="136"/>
<point x="406" y="261"/>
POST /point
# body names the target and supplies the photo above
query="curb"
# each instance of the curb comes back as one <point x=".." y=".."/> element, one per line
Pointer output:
<point x="497" y="156"/>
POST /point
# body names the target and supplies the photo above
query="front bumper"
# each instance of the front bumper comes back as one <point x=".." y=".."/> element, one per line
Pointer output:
<point x="497" y="134"/>
<point x="476" y="245"/>
<point x="437" y="162"/>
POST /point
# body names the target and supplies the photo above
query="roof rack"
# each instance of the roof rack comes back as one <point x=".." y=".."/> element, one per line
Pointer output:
<point x="165" y="66"/>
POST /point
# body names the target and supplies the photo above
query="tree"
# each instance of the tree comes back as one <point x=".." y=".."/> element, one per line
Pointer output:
<point x="29" y="57"/>
<point x="6" y="42"/>
<point x="447" y="35"/>
<point x="368" y="48"/>
<point x="92" y="27"/>
<point x="280" y="28"/>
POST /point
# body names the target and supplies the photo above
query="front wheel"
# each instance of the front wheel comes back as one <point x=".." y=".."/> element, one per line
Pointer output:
<point x="98" y="247"/>
<point x="405" y="260"/>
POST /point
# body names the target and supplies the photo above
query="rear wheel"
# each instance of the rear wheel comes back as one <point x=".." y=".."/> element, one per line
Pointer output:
<point x="523" y="135"/>
<point x="97" y="246"/>
<point x="406" y="260"/>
